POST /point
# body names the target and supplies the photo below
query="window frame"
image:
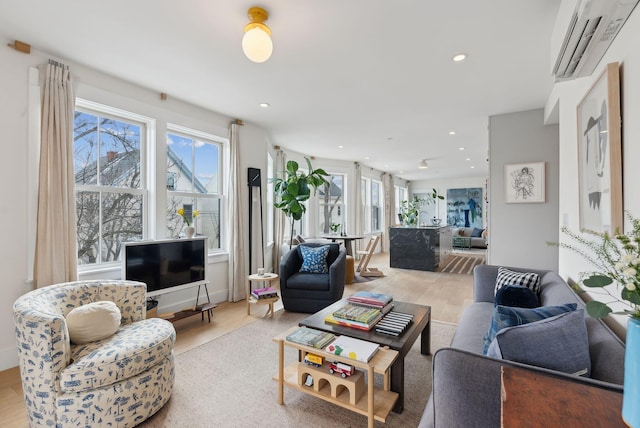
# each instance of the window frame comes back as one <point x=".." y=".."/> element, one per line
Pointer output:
<point x="147" y="125"/>
<point x="194" y="134"/>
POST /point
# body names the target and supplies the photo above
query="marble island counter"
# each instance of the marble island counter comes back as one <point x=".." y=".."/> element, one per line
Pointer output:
<point x="419" y="248"/>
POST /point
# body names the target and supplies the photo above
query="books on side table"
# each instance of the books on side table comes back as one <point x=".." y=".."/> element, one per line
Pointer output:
<point x="310" y="337"/>
<point x="356" y="349"/>
<point x="264" y="293"/>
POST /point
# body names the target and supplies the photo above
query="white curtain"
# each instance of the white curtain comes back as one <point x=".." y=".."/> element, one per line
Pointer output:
<point x="279" y="218"/>
<point x="389" y="202"/>
<point x="56" y="257"/>
<point x="237" y="274"/>
<point x="358" y="205"/>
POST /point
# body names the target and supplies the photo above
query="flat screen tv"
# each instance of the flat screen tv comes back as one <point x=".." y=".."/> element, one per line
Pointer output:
<point x="167" y="265"/>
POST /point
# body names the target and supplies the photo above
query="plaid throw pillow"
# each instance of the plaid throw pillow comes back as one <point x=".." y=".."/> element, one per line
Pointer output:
<point x="525" y="279"/>
<point x="314" y="259"/>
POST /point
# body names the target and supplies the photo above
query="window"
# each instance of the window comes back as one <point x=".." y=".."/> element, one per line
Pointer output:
<point x="401" y="195"/>
<point x="270" y="199"/>
<point x="375" y="205"/>
<point x="331" y="203"/>
<point x="365" y="190"/>
<point x="194" y="183"/>
<point x="109" y="170"/>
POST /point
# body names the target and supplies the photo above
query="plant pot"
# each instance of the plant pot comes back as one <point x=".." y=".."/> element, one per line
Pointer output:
<point x="631" y="396"/>
<point x="189" y="231"/>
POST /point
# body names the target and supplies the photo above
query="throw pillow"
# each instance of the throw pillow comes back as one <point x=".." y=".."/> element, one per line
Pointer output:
<point x="508" y="277"/>
<point x="93" y="321"/>
<point x="476" y="233"/>
<point x="314" y="259"/>
<point x="516" y="295"/>
<point x="506" y="316"/>
<point x="556" y="343"/>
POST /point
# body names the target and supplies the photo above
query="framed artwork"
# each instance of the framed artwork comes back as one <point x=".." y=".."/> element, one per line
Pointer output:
<point x="599" y="154"/>
<point x="524" y="182"/>
<point x="464" y="207"/>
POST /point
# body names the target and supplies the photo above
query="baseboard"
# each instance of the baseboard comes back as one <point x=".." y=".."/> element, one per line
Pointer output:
<point x="8" y="358"/>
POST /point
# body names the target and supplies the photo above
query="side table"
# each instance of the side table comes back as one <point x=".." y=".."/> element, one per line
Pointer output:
<point x="532" y="399"/>
<point x="266" y="280"/>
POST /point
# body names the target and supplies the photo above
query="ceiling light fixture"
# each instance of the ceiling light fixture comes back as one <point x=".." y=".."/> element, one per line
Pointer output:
<point x="452" y="132"/>
<point x="423" y="164"/>
<point x="459" y="57"/>
<point x="256" y="43"/>
<point x="264" y="105"/>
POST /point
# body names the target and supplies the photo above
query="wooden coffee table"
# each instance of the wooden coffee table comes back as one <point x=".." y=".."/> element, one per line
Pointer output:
<point x="420" y="326"/>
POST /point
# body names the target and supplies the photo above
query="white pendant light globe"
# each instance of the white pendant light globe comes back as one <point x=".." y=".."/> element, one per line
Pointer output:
<point x="256" y="42"/>
<point x="257" y="45"/>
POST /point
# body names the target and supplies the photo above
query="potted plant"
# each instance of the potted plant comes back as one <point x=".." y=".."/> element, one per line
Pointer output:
<point x="294" y="189"/>
<point x="617" y="261"/>
<point x="410" y="210"/>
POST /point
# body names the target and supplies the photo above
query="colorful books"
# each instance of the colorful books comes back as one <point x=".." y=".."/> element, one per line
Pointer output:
<point x="355" y="349"/>
<point x="351" y="323"/>
<point x="364" y="314"/>
<point x="264" y="293"/>
<point x="310" y="337"/>
<point x="373" y="299"/>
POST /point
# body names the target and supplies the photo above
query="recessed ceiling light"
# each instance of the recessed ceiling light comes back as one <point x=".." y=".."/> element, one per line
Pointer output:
<point x="459" y="57"/>
<point x="423" y="164"/>
<point x="461" y="148"/>
<point x="472" y="167"/>
<point x="367" y="158"/>
<point x="341" y="147"/>
<point x="468" y="159"/>
<point x="386" y="166"/>
<point x="401" y="172"/>
<point x="452" y="132"/>
<point x="264" y="105"/>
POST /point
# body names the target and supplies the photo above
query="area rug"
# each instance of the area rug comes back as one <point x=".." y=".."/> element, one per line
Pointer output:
<point x="462" y="264"/>
<point x="228" y="382"/>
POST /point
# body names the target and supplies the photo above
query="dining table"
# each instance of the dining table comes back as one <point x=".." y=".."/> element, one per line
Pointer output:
<point x="347" y="239"/>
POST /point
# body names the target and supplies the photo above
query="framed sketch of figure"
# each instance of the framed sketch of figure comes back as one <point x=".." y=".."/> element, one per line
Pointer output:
<point x="599" y="152"/>
<point x="524" y="182"/>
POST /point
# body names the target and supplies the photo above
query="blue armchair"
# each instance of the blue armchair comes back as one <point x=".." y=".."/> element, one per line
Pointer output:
<point x="311" y="292"/>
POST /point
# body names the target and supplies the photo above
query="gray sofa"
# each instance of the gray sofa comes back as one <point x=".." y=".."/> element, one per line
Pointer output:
<point x="475" y="241"/>
<point x="466" y="384"/>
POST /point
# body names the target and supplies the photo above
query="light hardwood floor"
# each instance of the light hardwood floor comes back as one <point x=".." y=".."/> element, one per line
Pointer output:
<point x="447" y="294"/>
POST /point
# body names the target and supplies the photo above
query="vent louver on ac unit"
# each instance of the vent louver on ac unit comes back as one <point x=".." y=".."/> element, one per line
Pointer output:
<point x="593" y="26"/>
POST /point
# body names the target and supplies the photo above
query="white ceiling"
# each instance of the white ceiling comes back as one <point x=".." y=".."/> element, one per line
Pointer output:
<point x="374" y="76"/>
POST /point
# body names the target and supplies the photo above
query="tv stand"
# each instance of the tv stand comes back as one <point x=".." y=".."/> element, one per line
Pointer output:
<point x="197" y="309"/>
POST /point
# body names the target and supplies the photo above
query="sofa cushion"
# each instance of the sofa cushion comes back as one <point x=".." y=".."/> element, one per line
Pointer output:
<point x="508" y="277"/>
<point x="476" y="233"/>
<point x="505" y="316"/>
<point x="516" y="295"/>
<point x="314" y="259"/>
<point x="133" y="349"/>
<point x="93" y="321"/>
<point x="557" y="343"/>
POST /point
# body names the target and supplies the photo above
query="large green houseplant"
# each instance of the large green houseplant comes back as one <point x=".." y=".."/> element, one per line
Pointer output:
<point x="410" y="210"/>
<point x="294" y="189"/>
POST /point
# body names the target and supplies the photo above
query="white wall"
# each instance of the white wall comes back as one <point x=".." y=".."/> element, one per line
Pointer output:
<point x="17" y="202"/>
<point x="518" y="233"/>
<point x="565" y="99"/>
<point x="442" y="185"/>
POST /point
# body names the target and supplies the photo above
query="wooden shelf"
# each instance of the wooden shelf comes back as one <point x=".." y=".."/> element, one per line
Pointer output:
<point x="383" y="400"/>
<point x="185" y="313"/>
<point x="375" y="403"/>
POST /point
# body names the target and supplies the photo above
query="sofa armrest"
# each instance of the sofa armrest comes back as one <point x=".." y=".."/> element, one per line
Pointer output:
<point x="467" y="389"/>
<point x="289" y="265"/>
<point x="337" y="274"/>
<point x="484" y="283"/>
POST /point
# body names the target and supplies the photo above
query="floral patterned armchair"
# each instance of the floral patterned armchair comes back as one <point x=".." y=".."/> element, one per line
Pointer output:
<point x="117" y="381"/>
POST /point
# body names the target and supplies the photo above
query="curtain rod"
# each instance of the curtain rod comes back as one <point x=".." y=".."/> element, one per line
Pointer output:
<point x="58" y="64"/>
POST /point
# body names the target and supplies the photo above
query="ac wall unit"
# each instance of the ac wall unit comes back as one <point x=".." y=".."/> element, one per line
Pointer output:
<point x="592" y="27"/>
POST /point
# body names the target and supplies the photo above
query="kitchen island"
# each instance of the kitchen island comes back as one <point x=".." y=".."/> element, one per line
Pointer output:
<point x="419" y="248"/>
